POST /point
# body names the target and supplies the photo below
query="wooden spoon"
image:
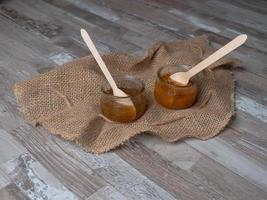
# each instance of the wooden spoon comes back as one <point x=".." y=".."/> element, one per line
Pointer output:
<point x="116" y="91"/>
<point x="183" y="77"/>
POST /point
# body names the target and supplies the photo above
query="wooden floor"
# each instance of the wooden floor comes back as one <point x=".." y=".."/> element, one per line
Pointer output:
<point x="38" y="34"/>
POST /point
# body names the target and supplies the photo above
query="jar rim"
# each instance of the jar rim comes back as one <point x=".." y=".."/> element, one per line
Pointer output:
<point x="142" y="88"/>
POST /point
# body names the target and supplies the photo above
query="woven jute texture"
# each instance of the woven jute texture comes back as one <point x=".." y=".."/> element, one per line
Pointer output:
<point x="66" y="100"/>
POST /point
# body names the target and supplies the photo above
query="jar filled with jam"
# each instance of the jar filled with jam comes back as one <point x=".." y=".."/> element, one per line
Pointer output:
<point x="171" y="94"/>
<point x="119" y="109"/>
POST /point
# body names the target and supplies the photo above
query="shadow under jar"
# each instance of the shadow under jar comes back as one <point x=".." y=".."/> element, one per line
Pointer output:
<point x="171" y="94"/>
<point x="115" y="109"/>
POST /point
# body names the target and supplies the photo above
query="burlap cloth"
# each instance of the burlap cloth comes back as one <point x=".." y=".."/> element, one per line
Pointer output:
<point x="66" y="99"/>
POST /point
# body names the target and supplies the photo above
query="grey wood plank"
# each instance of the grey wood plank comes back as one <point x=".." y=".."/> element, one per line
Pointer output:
<point x="222" y="180"/>
<point x="98" y="14"/>
<point x="123" y="177"/>
<point x="12" y="192"/>
<point x="4" y="180"/>
<point x="110" y="25"/>
<point x="231" y="158"/>
<point x="251" y="86"/>
<point x="107" y="192"/>
<point x="9" y="147"/>
<point x="238" y="14"/>
<point x="69" y="24"/>
<point x="151" y="165"/>
<point x="256" y="6"/>
<point x="146" y="12"/>
<point x="201" y="17"/>
<point x="127" y="180"/>
<point x="221" y="26"/>
<point x="133" y="35"/>
<point x="250" y="145"/>
<point x="34" y="180"/>
<point x="247" y="124"/>
<point x="75" y="175"/>
<point x="257" y="110"/>
<point x="162" y="4"/>
<point x="224" y="27"/>
<point x="209" y="175"/>
<point x="191" y="165"/>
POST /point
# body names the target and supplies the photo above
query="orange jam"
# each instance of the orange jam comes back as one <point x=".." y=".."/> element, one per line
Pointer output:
<point x="171" y="94"/>
<point x="117" y="108"/>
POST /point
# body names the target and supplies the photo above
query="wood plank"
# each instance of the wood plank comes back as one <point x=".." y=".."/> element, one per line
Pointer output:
<point x="12" y="192"/>
<point x="148" y="13"/>
<point x="201" y="17"/>
<point x="75" y="175"/>
<point x="257" y="110"/>
<point x="4" y="180"/>
<point x="132" y="27"/>
<point x="162" y="4"/>
<point x="69" y="24"/>
<point x="129" y="19"/>
<point x="231" y="158"/>
<point x="209" y="176"/>
<point x="251" y="86"/>
<point x="238" y="14"/>
<point x="245" y="123"/>
<point x="9" y="147"/>
<point x="111" y="25"/>
<point x="125" y="21"/>
<point x="151" y="165"/>
<point x="257" y="6"/>
<point x="123" y="177"/>
<point x="223" y="27"/>
<point x="107" y="192"/>
<point x="253" y="147"/>
<point x="34" y="180"/>
<point x="232" y="186"/>
<point x="230" y="12"/>
<point x="177" y="154"/>
<point x="133" y="35"/>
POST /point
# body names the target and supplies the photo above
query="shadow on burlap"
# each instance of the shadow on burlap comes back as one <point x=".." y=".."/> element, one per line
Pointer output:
<point x="66" y="100"/>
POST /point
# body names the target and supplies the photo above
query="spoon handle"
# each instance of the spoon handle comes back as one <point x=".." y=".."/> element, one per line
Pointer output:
<point x="238" y="41"/>
<point x="98" y="58"/>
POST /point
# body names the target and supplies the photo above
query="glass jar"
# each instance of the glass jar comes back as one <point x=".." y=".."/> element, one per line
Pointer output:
<point x="169" y="93"/>
<point x="115" y="109"/>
